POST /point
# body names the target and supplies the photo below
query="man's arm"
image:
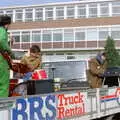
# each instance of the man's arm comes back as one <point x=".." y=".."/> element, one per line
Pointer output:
<point x="4" y="41"/>
<point x="95" y="69"/>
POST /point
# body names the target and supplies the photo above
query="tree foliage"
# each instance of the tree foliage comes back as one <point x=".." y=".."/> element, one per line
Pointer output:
<point x="113" y="57"/>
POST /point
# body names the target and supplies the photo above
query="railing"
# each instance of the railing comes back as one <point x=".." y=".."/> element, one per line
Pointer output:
<point x="85" y="104"/>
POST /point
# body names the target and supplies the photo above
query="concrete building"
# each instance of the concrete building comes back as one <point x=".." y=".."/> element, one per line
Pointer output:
<point x="69" y="30"/>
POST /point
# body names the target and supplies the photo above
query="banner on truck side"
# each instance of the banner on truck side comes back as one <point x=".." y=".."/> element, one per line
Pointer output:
<point x="89" y="104"/>
<point x="50" y="107"/>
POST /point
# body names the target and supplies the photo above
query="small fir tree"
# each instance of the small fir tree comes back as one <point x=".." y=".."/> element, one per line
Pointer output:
<point x="112" y="53"/>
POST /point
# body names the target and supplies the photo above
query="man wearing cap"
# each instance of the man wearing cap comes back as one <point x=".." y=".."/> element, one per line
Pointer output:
<point x="97" y="66"/>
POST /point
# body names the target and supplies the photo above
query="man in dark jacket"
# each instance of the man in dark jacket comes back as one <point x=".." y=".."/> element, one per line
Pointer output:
<point x="97" y="66"/>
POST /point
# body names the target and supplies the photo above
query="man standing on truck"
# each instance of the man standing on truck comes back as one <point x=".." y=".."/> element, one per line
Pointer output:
<point x="97" y="67"/>
<point x="5" y="21"/>
<point x="33" y="60"/>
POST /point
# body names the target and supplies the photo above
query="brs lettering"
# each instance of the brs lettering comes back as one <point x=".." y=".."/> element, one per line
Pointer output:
<point x="38" y="106"/>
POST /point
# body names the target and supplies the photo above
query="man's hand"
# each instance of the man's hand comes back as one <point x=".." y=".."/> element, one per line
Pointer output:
<point x="31" y="67"/>
<point x="8" y="58"/>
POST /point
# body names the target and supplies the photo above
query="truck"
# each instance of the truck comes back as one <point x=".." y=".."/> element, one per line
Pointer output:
<point x="73" y="101"/>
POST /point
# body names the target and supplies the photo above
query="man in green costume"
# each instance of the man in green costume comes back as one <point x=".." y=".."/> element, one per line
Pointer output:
<point x="5" y="21"/>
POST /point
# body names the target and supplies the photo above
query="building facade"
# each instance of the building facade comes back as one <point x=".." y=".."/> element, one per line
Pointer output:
<point x="70" y="30"/>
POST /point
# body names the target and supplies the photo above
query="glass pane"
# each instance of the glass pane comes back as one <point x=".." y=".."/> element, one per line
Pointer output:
<point x="79" y="35"/>
<point x="70" y="12"/>
<point x="25" y="37"/>
<point x="117" y="3"/>
<point x="16" y="36"/>
<point x="46" y="36"/>
<point x="103" y="35"/>
<point x="67" y="70"/>
<point x="36" y="36"/>
<point x="104" y="9"/>
<point x="10" y="13"/>
<point x="116" y="8"/>
<point x="57" y="36"/>
<point x="116" y="11"/>
<point x="68" y="35"/>
<point x="60" y="13"/>
<point x="81" y="12"/>
<point x="39" y="14"/>
<point x="92" y="34"/>
<point x="93" y="10"/>
<point x="115" y="34"/>
<point x="49" y="13"/>
<point x="1" y="12"/>
<point x="18" y="17"/>
<point x="28" y="15"/>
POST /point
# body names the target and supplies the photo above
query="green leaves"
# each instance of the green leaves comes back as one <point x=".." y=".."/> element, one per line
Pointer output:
<point x="113" y="57"/>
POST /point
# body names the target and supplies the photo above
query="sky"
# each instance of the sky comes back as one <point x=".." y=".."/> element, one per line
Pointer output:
<point x="7" y="3"/>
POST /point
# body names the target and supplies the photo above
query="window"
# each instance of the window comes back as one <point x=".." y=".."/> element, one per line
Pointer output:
<point x="36" y="36"/>
<point x="59" y="12"/>
<point x="48" y="13"/>
<point x="46" y="35"/>
<point x="16" y="36"/>
<point x="28" y="14"/>
<point x="103" y="33"/>
<point x="18" y="54"/>
<point x="10" y="13"/>
<point x="18" y="15"/>
<point x="92" y="34"/>
<point x="92" y="10"/>
<point x="104" y="9"/>
<point x="116" y="9"/>
<point x="79" y="35"/>
<point x="70" y="12"/>
<point x="57" y="35"/>
<point x="1" y="12"/>
<point x="38" y="14"/>
<point x="25" y="36"/>
<point x="67" y="70"/>
<point x="68" y="35"/>
<point x="81" y="11"/>
<point x="115" y="33"/>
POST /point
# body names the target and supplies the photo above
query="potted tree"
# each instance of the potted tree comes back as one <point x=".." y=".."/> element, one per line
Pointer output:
<point x="113" y="63"/>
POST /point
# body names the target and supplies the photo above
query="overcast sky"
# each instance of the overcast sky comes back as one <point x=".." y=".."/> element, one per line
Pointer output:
<point x="6" y="3"/>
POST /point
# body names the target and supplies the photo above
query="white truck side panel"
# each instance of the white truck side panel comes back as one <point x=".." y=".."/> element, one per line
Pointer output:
<point x="73" y="105"/>
<point x="5" y="115"/>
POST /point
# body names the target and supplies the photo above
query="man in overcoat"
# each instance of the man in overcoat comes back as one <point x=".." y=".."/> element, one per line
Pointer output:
<point x="97" y="67"/>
